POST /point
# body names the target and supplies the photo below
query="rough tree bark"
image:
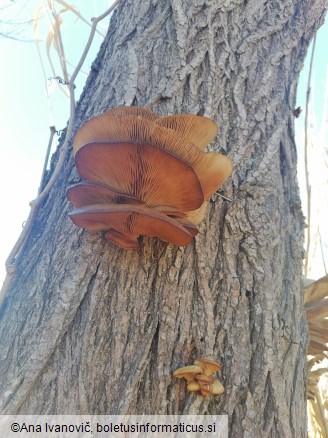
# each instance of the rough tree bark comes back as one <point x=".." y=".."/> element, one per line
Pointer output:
<point x="90" y="328"/>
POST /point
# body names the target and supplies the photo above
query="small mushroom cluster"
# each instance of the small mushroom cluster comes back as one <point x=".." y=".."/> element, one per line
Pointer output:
<point x="145" y="175"/>
<point x="199" y="377"/>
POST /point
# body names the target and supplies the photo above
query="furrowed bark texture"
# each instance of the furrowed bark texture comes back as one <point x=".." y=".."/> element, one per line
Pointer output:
<point x="90" y="328"/>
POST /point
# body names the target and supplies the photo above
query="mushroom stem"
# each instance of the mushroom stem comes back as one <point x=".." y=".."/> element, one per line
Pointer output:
<point x="199" y="377"/>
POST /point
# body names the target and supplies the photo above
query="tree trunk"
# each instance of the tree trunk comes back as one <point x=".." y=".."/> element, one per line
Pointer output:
<point x="87" y="327"/>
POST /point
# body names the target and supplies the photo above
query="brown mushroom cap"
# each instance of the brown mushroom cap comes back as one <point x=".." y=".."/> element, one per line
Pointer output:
<point x="87" y="193"/>
<point x="179" y="216"/>
<point x="132" y="242"/>
<point x="197" y="129"/>
<point x="142" y="170"/>
<point x="114" y="128"/>
<point x="122" y="240"/>
<point x="131" y="221"/>
<point x="192" y="229"/>
<point x="172" y="212"/>
<point x="209" y="366"/>
<point x="212" y="169"/>
<point x="213" y="173"/>
<point x="103" y="128"/>
<point x="188" y="372"/>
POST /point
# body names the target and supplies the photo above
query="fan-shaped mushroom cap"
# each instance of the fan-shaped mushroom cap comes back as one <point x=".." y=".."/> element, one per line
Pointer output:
<point x="197" y="129"/>
<point x="188" y="372"/>
<point x="122" y="240"/>
<point x="212" y="169"/>
<point x="192" y="229"/>
<point x="142" y="170"/>
<point x="172" y="212"/>
<point x="113" y="127"/>
<point x="179" y="216"/>
<point x="209" y="366"/>
<point x="87" y="193"/>
<point x="131" y="221"/>
<point x="217" y="387"/>
<point x="213" y="172"/>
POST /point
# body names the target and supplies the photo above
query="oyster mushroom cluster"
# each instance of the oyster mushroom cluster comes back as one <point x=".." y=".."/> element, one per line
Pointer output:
<point x="145" y="175"/>
<point x="199" y="377"/>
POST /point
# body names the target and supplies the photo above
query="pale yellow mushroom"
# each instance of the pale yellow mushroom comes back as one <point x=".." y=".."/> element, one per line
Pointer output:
<point x="208" y="365"/>
<point x="193" y="386"/>
<point x="217" y="388"/>
<point x="188" y="372"/>
<point x="205" y="384"/>
<point x="209" y="385"/>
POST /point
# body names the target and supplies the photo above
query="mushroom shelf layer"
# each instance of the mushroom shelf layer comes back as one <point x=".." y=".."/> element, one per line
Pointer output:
<point x="145" y="175"/>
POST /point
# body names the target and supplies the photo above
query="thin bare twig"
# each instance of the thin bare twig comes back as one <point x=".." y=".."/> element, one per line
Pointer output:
<point x="59" y="41"/>
<point x="12" y="258"/>
<point x="306" y="163"/>
<point x="52" y="133"/>
<point x="76" y="12"/>
<point x="223" y="197"/>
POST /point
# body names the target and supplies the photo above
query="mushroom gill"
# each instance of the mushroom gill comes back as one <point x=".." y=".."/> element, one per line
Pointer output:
<point x="103" y="128"/>
<point x="212" y="169"/>
<point x="114" y="127"/>
<point x="121" y="239"/>
<point x="197" y="129"/>
<point x="142" y="170"/>
<point x="132" y="221"/>
<point x="88" y="193"/>
<point x="143" y="174"/>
